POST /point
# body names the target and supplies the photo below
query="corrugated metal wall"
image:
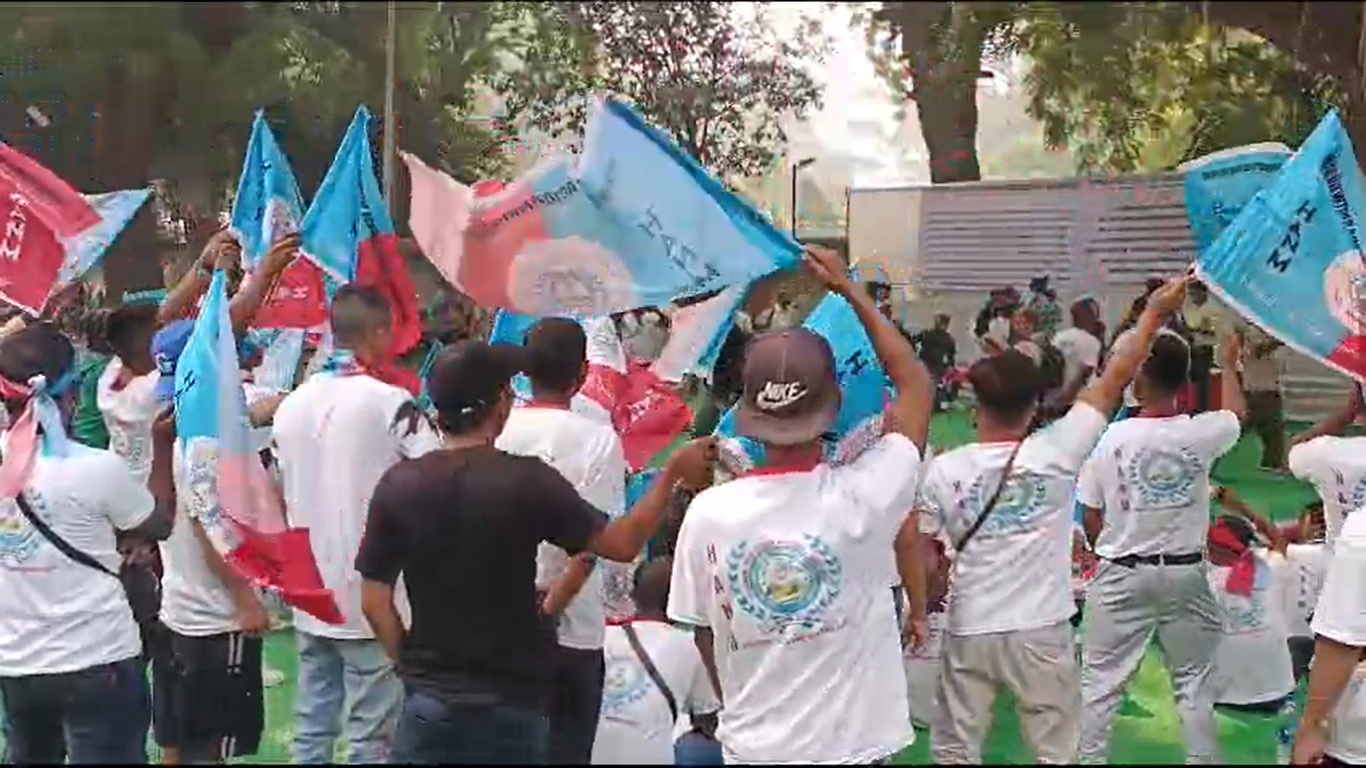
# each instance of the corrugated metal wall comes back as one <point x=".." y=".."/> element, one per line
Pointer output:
<point x="951" y="243"/>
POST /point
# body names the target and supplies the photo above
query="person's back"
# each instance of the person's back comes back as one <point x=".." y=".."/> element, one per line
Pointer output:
<point x="804" y="556"/>
<point x="1152" y="475"/>
<point x="641" y="709"/>
<point x="1029" y="527"/>
<point x="1336" y="467"/>
<point x="1252" y="667"/>
<point x="335" y="436"/>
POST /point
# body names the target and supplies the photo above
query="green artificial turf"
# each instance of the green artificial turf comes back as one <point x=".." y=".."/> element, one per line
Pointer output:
<point x="1146" y="731"/>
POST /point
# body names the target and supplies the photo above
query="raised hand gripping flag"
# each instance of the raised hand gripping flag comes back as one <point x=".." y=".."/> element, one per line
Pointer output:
<point x="241" y="512"/>
<point x="1292" y="260"/>
<point x="347" y="231"/>
<point x="51" y="233"/>
<point x="267" y="207"/>
<point x="864" y="388"/>
<point x="632" y="222"/>
<point x="1218" y="185"/>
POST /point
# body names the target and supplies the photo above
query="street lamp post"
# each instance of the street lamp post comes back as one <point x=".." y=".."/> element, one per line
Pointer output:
<point x="796" y="167"/>
<point x="390" y="147"/>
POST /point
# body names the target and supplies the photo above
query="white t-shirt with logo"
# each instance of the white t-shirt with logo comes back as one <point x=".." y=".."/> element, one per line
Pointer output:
<point x="790" y="571"/>
<point x="589" y="455"/>
<point x="636" y="727"/>
<point x="1016" y="572"/>
<point x="1341" y="616"/>
<point x="128" y="415"/>
<point x="1308" y="564"/>
<point x="1079" y="349"/>
<point x="335" y="436"/>
<point x="1151" y="477"/>
<point x="57" y="615"/>
<point x="1253" y="664"/>
<point x="1336" y="467"/>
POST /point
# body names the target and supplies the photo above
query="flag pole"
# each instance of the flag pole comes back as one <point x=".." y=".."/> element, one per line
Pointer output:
<point x="391" y="35"/>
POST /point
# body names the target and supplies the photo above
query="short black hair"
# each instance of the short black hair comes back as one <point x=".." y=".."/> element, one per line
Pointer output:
<point x="650" y="588"/>
<point x="1168" y="366"/>
<point x="357" y="311"/>
<point x="558" y="348"/>
<point x="38" y="349"/>
<point x="126" y="323"/>
<point x="1007" y="385"/>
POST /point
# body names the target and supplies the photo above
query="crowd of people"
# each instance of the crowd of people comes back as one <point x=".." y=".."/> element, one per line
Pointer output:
<point x="504" y="603"/>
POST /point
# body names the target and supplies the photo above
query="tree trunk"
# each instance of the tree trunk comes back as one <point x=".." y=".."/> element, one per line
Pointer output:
<point x="944" y="53"/>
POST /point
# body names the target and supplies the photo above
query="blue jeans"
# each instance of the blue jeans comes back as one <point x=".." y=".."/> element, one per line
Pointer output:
<point x="432" y="731"/>
<point x="693" y="748"/>
<point x="96" y="715"/>
<point x="346" y="688"/>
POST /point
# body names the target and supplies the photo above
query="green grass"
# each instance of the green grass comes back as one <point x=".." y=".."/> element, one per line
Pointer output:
<point x="1147" y="730"/>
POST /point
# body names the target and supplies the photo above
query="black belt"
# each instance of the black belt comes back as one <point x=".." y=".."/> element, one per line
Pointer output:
<point x="1189" y="558"/>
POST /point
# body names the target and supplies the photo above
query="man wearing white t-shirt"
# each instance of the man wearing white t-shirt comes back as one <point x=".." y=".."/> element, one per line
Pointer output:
<point x="589" y="455"/>
<point x="1335" y="465"/>
<point x="1006" y="499"/>
<point x="1145" y="494"/>
<point x="72" y="681"/>
<point x="784" y="572"/>
<point x="655" y="676"/>
<point x="334" y="438"/>
<point x="1081" y="345"/>
<point x="1333" y="728"/>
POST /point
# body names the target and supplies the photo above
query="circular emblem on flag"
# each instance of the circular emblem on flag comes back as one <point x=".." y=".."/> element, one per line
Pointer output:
<point x="1344" y="287"/>
<point x="569" y="275"/>
<point x="785" y="583"/>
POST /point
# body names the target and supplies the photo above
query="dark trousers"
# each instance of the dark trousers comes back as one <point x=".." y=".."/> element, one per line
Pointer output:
<point x="1202" y="363"/>
<point x="1301" y="653"/>
<point x="96" y="715"/>
<point x="434" y="731"/>
<point x="1266" y="418"/>
<point x="574" y="706"/>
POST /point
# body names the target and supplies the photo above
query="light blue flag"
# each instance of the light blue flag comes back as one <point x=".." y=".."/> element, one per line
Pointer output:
<point x="85" y="249"/>
<point x="632" y="222"/>
<point x="197" y="373"/>
<point x="1292" y="260"/>
<point x="348" y="208"/>
<point x="268" y="205"/>
<point x="863" y="385"/>
<point x="1218" y="185"/>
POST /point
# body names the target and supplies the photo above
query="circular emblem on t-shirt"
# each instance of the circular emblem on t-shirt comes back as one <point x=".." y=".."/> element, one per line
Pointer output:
<point x="785" y="583"/>
<point x="18" y="539"/>
<point x="1023" y="498"/>
<point x="1246" y="613"/>
<point x="570" y="274"/>
<point x="1163" y="478"/>
<point x="623" y="684"/>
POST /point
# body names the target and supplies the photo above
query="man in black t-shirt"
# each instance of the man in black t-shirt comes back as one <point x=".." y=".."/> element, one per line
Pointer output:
<point x="462" y="526"/>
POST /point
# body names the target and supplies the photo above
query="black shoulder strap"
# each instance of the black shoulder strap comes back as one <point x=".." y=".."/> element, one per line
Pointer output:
<point x="651" y="669"/>
<point x="991" y="503"/>
<point x="57" y="541"/>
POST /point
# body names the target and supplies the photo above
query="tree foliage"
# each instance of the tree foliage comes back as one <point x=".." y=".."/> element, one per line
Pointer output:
<point x="719" y="77"/>
<point x="1145" y="86"/>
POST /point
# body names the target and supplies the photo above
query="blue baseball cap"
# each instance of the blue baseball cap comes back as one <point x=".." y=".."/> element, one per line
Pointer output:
<point x="170" y="342"/>
<point x="167" y="345"/>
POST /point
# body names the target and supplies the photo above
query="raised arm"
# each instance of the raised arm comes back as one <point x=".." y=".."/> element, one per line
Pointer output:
<point x="254" y="292"/>
<point x="1336" y="422"/>
<point x="910" y="409"/>
<point x="1105" y="392"/>
<point x="195" y="282"/>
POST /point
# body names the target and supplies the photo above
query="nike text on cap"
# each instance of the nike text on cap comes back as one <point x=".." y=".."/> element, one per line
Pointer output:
<point x="791" y="394"/>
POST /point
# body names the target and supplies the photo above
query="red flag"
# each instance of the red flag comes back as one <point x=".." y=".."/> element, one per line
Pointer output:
<point x="648" y="415"/>
<point x="379" y="264"/>
<point x="30" y="252"/>
<point x="299" y="299"/>
<point x="56" y="203"/>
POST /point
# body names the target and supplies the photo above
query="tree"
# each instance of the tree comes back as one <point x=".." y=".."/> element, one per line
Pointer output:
<point x="128" y="94"/>
<point x="717" y="76"/>
<point x="1145" y="87"/>
<point x="932" y="53"/>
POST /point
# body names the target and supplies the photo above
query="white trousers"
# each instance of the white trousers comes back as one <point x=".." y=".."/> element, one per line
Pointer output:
<point x="1125" y="607"/>
<point x="1038" y="666"/>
